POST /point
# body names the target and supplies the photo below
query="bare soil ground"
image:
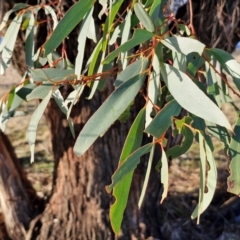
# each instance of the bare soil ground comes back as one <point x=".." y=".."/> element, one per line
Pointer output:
<point x="220" y="221"/>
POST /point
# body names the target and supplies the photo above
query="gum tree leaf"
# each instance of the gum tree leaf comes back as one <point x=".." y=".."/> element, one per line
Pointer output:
<point x="140" y="36"/>
<point x="233" y="180"/>
<point x="128" y="165"/>
<point x="144" y="17"/>
<point x="33" y="124"/>
<point x="190" y="97"/>
<point x="164" y="174"/>
<point x="70" y="20"/>
<point x="110" y="111"/>
<point x="181" y="45"/>
<point x="121" y="191"/>
<point x="163" y="120"/>
<point x="228" y="63"/>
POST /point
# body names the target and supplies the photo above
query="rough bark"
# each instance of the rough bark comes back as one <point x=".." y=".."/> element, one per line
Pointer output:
<point x="18" y="200"/>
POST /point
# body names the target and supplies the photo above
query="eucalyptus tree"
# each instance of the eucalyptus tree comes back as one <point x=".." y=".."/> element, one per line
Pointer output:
<point x="115" y="96"/>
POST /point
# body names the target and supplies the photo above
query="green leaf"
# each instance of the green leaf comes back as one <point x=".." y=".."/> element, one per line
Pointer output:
<point x="140" y="36"/>
<point x="207" y="184"/>
<point x="163" y="120"/>
<point x="190" y="97"/>
<point x="121" y="191"/>
<point x="233" y="180"/>
<point x="52" y="75"/>
<point x="7" y="45"/>
<point x="33" y="124"/>
<point x="64" y="108"/>
<point x="144" y="17"/>
<point x="178" y="150"/>
<point x="16" y="7"/>
<point x="114" y="7"/>
<point x="82" y="37"/>
<point x="146" y="179"/>
<point x="130" y="71"/>
<point x="181" y="45"/>
<point x="40" y="92"/>
<point x="228" y="63"/>
<point x="70" y="20"/>
<point x="128" y="165"/>
<point x="29" y="46"/>
<point x="164" y="174"/>
<point x="110" y="110"/>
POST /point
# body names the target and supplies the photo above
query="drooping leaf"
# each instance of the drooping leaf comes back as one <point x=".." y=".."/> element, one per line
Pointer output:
<point x="146" y="179"/>
<point x="64" y="108"/>
<point x="40" y="92"/>
<point x="52" y="75"/>
<point x="7" y="45"/>
<point x="114" y="7"/>
<point x="82" y="37"/>
<point x="228" y="63"/>
<point x="207" y="184"/>
<point x="15" y="8"/>
<point x="181" y="45"/>
<point x="144" y="17"/>
<point x="110" y="110"/>
<point x="163" y="120"/>
<point x="128" y="165"/>
<point x="121" y="191"/>
<point x="140" y="36"/>
<point x="33" y="124"/>
<point x="70" y="20"/>
<point x="29" y="46"/>
<point x="164" y="174"/>
<point x="190" y="97"/>
<point x="233" y="180"/>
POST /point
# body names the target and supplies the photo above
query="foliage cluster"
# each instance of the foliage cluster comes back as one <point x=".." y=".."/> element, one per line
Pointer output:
<point x="172" y="71"/>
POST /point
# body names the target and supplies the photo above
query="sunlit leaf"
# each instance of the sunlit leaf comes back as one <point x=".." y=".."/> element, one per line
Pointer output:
<point x="70" y="20"/>
<point x="140" y="36"/>
<point x="33" y="124"/>
<point x="190" y="97"/>
<point x="144" y="17"/>
<point x="164" y="174"/>
<point x="110" y="110"/>
<point x="181" y="45"/>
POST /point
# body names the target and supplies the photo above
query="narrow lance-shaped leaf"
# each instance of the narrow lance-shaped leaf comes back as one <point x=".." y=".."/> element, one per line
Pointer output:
<point x="198" y="210"/>
<point x="140" y="36"/>
<point x="70" y="20"/>
<point x="146" y="179"/>
<point x="181" y="45"/>
<point x="109" y="112"/>
<point x="82" y="37"/>
<point x="164" y="174"/>
<point x="208" y="187"/>
<point x="144" y="17"/>
<point x="233" y="180"/>
<point x="33" y="124"/>
<point x="228" y="63"/>
<point x="128" y="165"/>
<point x="190" y="97"/>
<point x="8" y="43"/>
<point x="121" y="191"/>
